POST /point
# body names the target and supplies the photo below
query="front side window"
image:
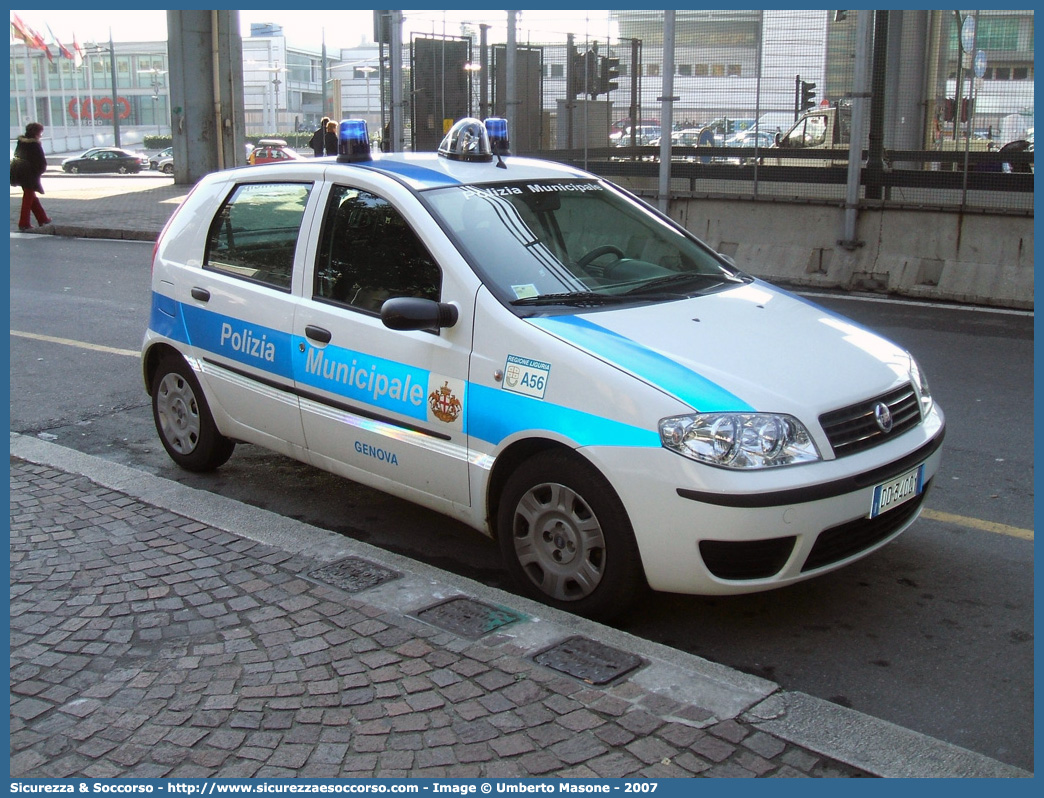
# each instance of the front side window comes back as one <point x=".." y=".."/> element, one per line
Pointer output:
<point x="368" y="254"/>
<point x="810" y="132"/>
<point x="574" y="243"/>
<point x="254" y="235"/>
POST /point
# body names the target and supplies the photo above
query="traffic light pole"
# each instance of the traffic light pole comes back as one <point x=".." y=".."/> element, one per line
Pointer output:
<point x="636" y="67"/>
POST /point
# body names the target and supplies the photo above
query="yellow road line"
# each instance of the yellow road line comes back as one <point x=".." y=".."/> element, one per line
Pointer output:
<point x="78" y="344"/>
<point x="977" y="523"/>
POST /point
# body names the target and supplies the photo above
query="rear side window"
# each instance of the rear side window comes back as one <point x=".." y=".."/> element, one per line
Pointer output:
<point x="255" y="233"/>
<point x="369" y="254"/>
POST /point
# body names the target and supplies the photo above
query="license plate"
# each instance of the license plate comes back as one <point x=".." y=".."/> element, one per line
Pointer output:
<point x="897" y="491"/>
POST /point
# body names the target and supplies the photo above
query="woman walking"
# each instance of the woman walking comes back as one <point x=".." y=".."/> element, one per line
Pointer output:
<point x="331" y="138"/>
<point x="28" y="164"/>
<point x="318" y="140"/>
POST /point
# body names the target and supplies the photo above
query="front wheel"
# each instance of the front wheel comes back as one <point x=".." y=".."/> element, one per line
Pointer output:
<point x="124" y="170"/>
<point x="566" y="539"/>
<point x="183" y="419"/>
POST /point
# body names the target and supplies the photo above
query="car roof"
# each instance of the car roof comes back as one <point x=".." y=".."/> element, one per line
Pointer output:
<point x="428" y="170"/>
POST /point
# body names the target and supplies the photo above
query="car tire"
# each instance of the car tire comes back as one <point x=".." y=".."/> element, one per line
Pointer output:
<point x="124" y="170"/>
<point x="183" y="419"/>
<point x="73" y="170"/>
<point x="168" y="169"/>
<point x="565" y="537"/>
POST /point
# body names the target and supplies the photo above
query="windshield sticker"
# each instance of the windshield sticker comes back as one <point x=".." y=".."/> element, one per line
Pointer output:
<point x="523" y="291"/>
<point x="525" y="376"/>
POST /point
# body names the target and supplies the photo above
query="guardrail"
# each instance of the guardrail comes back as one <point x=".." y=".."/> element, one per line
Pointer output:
<point x="992" y="181"/>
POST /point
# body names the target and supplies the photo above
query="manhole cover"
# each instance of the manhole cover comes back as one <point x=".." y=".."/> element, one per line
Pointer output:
<point x="467" y="617"/>
<point x="353" y="574"/>
<point x="587" y="660"/>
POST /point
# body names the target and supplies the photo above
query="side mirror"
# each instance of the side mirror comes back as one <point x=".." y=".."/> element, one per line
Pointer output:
<point x="414" y="313"/>
<point x="779" y="139"/>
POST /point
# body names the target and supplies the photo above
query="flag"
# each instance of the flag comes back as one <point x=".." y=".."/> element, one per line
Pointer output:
<point x="77" y="53"/>
<point x="31" y="38"/>
<point x="65" y="51"/>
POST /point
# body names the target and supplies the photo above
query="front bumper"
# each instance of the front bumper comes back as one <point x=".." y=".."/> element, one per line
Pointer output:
<point x="710" y="531"/>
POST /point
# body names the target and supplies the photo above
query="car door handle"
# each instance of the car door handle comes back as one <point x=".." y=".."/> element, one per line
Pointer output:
<point x="318" y="334"/>
<point x="202" y="294"/>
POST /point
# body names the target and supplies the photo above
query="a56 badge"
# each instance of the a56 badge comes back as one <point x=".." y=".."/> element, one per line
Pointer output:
<point x="525" y="376"/>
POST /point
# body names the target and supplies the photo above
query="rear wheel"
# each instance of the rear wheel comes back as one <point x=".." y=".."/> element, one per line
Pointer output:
<point x="183" y="419"/>
<point x="124" y="170"/>
<point x="565" y="537"/>
<point x="168" y="169"/>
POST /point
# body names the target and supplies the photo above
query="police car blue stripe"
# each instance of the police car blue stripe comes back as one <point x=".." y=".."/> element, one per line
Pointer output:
<point x="492" y="414"/>
<point x="374" y="381"/>
<point x="244" y="342"/>
<point x="495" y="414"/>
<point x="686" y="385"/>
<point x="165" y="318"/>
<point x="422" y="175"/>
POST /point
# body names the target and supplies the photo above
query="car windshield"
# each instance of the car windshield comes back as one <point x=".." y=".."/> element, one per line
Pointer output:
<point x="575" y="243"/>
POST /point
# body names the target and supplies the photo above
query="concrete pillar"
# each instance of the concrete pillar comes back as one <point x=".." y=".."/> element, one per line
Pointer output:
<point x="205" y="53"/>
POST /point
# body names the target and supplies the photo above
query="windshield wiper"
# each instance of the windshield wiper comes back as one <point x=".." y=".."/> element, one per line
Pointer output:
<point x="577" y="298"/>
<point x="655" y="286"/>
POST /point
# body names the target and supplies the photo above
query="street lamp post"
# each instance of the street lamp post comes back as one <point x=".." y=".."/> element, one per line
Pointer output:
<point x="95" y="48"/>
<point x="273" y="96"/>
<point x="367" y="70"/>
<point x="473" y="71"/>
<point x="156" y="86"/>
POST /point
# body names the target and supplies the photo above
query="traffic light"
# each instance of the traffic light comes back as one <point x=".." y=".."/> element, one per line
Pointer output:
<point x="808" y="96"/>
<point x="577" y="62"/>
<point x="610" y="72"/>
<point x="591" y="71"/>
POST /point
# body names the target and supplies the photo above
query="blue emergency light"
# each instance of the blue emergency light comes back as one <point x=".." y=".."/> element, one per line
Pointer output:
<point x="353" y="141"/>
<point x="497" y="130"/>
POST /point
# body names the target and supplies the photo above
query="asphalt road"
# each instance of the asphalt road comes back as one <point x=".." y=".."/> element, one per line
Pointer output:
<point x="935" y="632"/>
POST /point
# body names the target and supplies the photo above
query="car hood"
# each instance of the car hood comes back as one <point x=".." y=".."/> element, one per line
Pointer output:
<point x="753" y="347"/>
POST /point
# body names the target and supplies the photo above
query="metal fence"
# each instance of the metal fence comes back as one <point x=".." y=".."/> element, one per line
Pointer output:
<point x="764" y="103"/>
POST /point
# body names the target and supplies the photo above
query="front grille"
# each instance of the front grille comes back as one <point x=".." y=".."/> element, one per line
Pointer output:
<point x="749" y="559"/>
<point x="841" y="542"/>
<point x="854" y="428"/>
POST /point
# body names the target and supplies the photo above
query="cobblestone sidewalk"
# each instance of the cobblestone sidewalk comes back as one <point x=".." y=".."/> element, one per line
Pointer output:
<point x="146" y="644"/>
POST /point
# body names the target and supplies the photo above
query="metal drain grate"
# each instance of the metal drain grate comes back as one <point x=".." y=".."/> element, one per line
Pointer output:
<point x="467" y="617"/>
<point x="354" y="574"/>
<point x="587" y="660"/>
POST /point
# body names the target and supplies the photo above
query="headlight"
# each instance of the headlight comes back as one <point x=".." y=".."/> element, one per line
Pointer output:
<point x="923" y="391"/>
<point x="739" y="440"/>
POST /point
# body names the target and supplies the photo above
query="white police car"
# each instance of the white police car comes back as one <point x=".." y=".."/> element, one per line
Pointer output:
<point x="527" y="348"/>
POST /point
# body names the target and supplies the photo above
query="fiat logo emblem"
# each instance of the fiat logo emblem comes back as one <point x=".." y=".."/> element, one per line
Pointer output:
<point x="883" y="417"/>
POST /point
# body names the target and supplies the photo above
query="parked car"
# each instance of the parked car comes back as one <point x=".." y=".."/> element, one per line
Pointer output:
<point x="680" y="138"/>
<point x="104" y="159"/>
<point x="529" y="349"/>
<point x="620" y="125"/>
<point x="271" y="151"/>
<point x="163" y="155"/>
<point x="644" y="135"/>
<point x="763" y="140"/>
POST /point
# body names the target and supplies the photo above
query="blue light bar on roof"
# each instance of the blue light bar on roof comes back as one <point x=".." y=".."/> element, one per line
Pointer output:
<point x="353" y="141"/>
<point x="497" y="130"/>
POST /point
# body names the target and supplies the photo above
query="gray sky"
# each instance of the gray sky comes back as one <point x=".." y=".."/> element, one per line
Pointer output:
<point x="306" y="28"/>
